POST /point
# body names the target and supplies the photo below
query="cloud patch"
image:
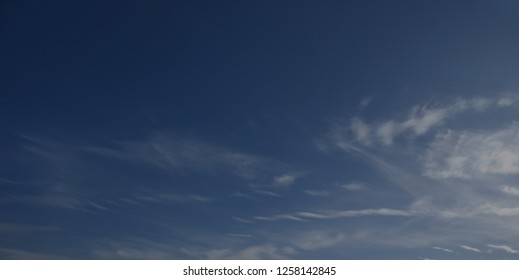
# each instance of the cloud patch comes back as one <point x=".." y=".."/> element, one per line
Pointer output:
<point x="443" y="249"/>
<point x="471" y="249"/>
<point x="419" y="121"/>
<point x="504" y="248"/>
<point x="470" y="155"/>
<point x="303" y="216"/>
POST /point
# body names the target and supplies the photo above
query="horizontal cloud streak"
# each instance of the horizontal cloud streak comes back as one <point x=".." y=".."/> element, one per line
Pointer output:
<point x="302" y="216"/>
<point x="504" y="248"/>
<point x="472" y="249"/>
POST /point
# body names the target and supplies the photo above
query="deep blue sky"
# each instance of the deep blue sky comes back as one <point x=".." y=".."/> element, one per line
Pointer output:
<point x="259" y="129"/>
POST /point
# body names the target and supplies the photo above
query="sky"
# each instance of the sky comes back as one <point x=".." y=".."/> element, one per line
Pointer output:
<point x="259" y="129"/>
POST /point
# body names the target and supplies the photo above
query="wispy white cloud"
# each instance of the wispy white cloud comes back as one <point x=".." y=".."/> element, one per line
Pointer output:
<point x="279" y="217"/>
<point x="510" y="190"/>
<point x="172" y="198"/>
<point x="313" y="240"/>
<point x="443" y="249"/>
<point x="505" y="248"/>
<point x="173" y="153"/>
<point x="242" y="195"/>
<point x="317" y="193"/>
<point x="240" y="235"/>
<point x="507" y="100"/>
<point x="242" y="220"/>
<point x="354" y="186"/>
<point x="387" y="131"/>
<point x="134" y="248"/>
<point x="361" y="131"/>
<point x="269" y="193"/>
<point x="469" y="155"/>
<point x="132" y="253"/>
<point x="419" y="121"/>
<point x="487" y="160"/>
<point x="365" y="102"/>
<point x="472" y="249"/>
<point x="303" y="216"/>
<point x="284" y="180"/>
<point x="355" y="213"/>
<point x="255" y="252"/>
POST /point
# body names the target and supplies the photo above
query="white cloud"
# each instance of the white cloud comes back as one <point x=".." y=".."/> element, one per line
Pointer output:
<point x="284" y="180"/>
<point x="443" y="249"/>
<point x="269" y="193"/>
<point x="500" y="211"/>
<point x="355" y="186"/>
<point x="510" y="190"/>
<point x="503" y="248"/>
<point x="241" y="235"/>
<point x="131" y="253"/>
<point x="242" y="220"/>
<point x="317" y="193"/>
<point x="481" y="104"/>
<point x="361" y="131"/>
<point x="423" y="119"/>
<point x="173" y="153"/>
<point x="313" y="240"/>
<point x="171" y="198"/>
<point x="279" y="217"/>
<point x="506" y="101"/>
<point x="473" y="154"/>
<point x="387" y="131"/>
<point x="365" y="102"/>
<point x="256" y="252"/>
<point x="302" y="216"/>
<point x="420" y="120"/>
<point x="472" y="249"/>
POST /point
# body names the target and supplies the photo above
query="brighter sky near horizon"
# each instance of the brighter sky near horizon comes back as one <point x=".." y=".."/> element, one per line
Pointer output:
<point x="259" y="130"/>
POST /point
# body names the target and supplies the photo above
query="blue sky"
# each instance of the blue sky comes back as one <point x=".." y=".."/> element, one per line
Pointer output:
<point x="259" y="130"/>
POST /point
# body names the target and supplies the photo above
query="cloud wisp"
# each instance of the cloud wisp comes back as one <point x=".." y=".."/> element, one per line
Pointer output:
<point x="470" y="249"/>
<point x="303" y="216"/>
<point x="503" y="248"/>
<point x="419" y="121"/>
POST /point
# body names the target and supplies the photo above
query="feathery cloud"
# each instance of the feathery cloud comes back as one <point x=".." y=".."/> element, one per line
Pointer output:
<point x="284" y="180"/>
<point x="510" y="190"/>
<point x="355" y="186"/>
<point x="443" y="249"/>
<point x="313" y="240"/>
<point x="419" y="121"/>
<point x="472" y="249"/>
<point x="302" y="216"/>
<point x="317" y="193"/>
<point x="504" y="248"/>
<point x="469" y="155"/>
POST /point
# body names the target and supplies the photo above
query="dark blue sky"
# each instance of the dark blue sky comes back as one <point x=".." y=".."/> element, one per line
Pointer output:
<point x="259" y="129"/>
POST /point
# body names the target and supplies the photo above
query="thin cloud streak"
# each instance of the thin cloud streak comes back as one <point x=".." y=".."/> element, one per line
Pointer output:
<point x="443" y="249"/>
<point x="303" y="216"/>
<point x="504" y="248"/>
<point x="471" y="249"/>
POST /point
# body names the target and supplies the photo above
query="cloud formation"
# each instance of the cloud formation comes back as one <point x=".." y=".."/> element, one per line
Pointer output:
<point x="470" y="155"/>
<point x="302" y="216"/>
<point x="419" y="121"/>
<point x="443" y="249"/>
<point x="355" y="186"/>
<point x="504" y="248"/>
<point x="471" y="249"/>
